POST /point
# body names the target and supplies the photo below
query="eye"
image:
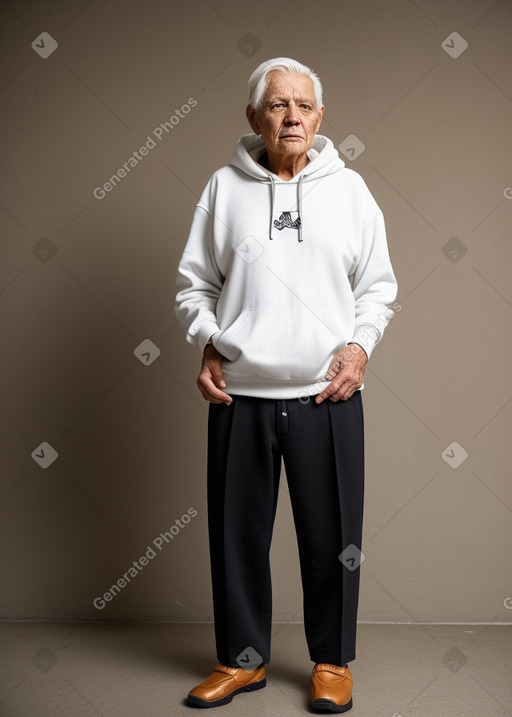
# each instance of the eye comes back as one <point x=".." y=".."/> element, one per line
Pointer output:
<point x="305" y="107"/>
<point x="277" y="105"/>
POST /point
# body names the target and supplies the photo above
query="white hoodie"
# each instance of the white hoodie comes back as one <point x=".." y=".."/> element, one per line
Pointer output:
<point x="283" y="274"/>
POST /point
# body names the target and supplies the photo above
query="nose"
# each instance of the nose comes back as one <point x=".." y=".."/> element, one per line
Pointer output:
<point x="292" y="115"/>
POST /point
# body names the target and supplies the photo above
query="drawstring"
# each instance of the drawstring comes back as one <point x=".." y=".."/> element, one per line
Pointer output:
<point x="272" y="199"/>
<point x="299" y="205"/>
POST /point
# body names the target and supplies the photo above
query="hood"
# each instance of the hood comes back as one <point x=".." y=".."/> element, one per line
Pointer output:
<point x="323" y="160"/>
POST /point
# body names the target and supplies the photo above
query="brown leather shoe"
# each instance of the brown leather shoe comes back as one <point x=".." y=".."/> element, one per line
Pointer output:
<point x="224" y="683"/>
<point x="331" y="688"/>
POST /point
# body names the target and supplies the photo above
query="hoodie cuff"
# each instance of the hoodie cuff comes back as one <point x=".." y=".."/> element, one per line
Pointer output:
<point x="202" y="334"/>
<point x="367" y="337"/>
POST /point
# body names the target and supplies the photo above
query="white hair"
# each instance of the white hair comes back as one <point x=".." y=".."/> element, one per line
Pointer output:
<point x="258" y="79"/>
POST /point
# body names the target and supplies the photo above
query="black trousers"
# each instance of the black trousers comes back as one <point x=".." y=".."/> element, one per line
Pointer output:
<point x="323" y="451"/>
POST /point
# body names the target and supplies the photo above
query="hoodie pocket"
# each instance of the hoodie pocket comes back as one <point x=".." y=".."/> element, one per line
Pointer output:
<point x="279" y="343"/>
<point x="225" y="340"/>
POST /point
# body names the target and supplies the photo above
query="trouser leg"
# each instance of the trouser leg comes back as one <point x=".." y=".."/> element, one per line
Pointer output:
<point x="324" y="459"/>
<point x="243" y="482"/>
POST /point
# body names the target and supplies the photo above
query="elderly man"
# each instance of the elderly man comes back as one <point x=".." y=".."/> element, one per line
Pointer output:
<point x="285" y="286"/>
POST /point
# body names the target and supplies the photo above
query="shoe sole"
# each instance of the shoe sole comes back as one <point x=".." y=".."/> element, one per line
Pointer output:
<point x="326" y="705"/>
<point x="199" y="702"/>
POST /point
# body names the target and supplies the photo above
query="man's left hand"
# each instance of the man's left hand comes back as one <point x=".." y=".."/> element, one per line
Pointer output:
<point x="345" y="374"/>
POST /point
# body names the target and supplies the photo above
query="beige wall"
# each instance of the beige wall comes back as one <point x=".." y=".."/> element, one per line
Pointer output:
<point x="84" y="281"/>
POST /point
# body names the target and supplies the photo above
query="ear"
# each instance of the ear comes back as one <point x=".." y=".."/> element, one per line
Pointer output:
<point x="252" y="117"/>
<point x="320" y="117"/>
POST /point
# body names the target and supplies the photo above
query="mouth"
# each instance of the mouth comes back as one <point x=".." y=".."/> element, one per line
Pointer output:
<point x="291" y="136"/>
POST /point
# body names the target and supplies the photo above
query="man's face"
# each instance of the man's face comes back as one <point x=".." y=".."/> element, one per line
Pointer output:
<point x="289" y="117"/>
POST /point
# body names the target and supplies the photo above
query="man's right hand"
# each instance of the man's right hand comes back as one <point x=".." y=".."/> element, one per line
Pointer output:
<point x="211" y="379"/>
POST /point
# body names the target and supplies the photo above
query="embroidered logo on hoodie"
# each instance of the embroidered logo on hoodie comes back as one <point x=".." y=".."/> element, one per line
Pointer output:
<point x="285" y="222"/>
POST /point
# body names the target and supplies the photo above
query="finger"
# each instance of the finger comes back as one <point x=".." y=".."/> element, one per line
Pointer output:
<point x="340" y="396"/>
<point x="211" y="392"/>
<point x="341" y="387"/>
<point x="345" y="392"/>
<point x="217" y="397"/>
<point x="328" y="391"/>
<point x="334" y="369"/>
<point x="217" y="375"/>
<point x="212" y="367"/>
<point x="218" y="400"/>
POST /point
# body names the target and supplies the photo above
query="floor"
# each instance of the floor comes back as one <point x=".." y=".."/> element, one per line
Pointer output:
<point x="146" y="670"/>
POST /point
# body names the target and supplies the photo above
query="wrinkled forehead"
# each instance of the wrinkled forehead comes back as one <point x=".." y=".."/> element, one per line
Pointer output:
<point x="289" y="85"/>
